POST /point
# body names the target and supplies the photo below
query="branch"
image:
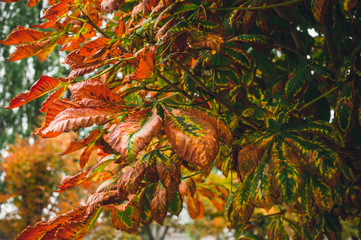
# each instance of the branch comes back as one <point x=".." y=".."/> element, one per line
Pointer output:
<point x="212" y="94"/>
<point x="330" y="44"/>
<point x="258" y="7"/>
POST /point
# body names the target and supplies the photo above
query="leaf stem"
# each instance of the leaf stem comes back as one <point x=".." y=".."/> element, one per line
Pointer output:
<point x="258" y="7"/>
<point x="318" y="98"/>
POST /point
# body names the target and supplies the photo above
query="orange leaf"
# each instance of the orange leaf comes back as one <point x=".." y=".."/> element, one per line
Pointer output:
<point x="194" y="139"/>
<point x="84" y="157"/>
<point x="42" y="49"/>
<point x="121" y="28"/>
<point x="77" y="145"/>
<point x="158" y="205"/>
<point x="57" y="94"/>
<point x="146" y="65"/>
<point x="32" y="3"/>
<point x="94" y="93"/>
<point x="248" y="158"/>
<point x="55" y="11"/>
<point x="21" y="35"/>
<point x="126" y="217"/>
<point x="135" y="133"/>
<point x="41" y="228"/>
<point x="195" y="207"/>
<point x="72" y="181"/>
<point x="76" y="118"/>
<point x="53" y="110"/>
<point x="103" y="198"/>
<point x="39" y="88"/>
<point x="91" y="47"/>
<point x="131" y="179"/>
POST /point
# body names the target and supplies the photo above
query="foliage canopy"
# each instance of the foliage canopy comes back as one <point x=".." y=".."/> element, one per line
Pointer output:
<point x="181" y="88"/>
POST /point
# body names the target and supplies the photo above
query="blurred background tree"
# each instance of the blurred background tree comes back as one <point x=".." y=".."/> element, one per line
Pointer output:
<point x="18" y="76"/>
<point x="32" y="172"/>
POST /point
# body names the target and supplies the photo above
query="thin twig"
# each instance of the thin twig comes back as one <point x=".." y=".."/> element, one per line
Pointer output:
<point x="318" y="98"/>
<point x="258" y="7"/>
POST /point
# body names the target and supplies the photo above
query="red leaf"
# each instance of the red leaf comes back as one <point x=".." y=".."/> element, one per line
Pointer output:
<point x="146" y="65"/>
<point x="158" y="205"/>
<point x="39" y="88"/>
<point x="84" y="157"/>
<point x="32" y="3"/>
<point x="120" y="29"/>
<point x="76" y="118"/>
<point x="131" y="179"/>
<point x="193" y="138"/>
<point x="42" y="49"/>
<point x="103" y="198"/>
<point x="91" y="47"/>
<point x="94" y="93"/>
<point x="41" y="228"/>
<point x="55" y="11"/>
<point x="135" y="133"/>
<point x="56" y="95"/>
<point x="54" y="109"/>
<point x="21" y="35"/>
<point x="72" y="181"/>
<point x="77" y="145"/>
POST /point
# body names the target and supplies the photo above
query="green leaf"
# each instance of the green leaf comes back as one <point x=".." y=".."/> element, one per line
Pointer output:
<point x="319" y="158"/>
<point x="322" y="129"/>
<point x="285" y="171"/>
<point x="322" y="194"/>
<point x="344" y="108"/>
<point x="176" y="205"/>
<point x="224" y="77"/>
<point x="306" y="196"/>
<point x="239" y="56"/>
<point x="297" y="83"/>
<point x="207" y="25"/>
<point x="252" y="38"/>
<point x="126" y="217"/>
<point x="344" y="69"/>
<point x="239" y="208"/>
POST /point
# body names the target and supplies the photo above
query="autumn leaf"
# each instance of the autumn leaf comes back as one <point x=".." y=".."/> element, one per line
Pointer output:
<point x="72" y="181"/>
<point x="22" y="35"/>
<point x="56" y="10"/>
<point x="41" y="49"/>
<point x="168" y="169"/>
<point x="41" y="228"/>
<point x="211" y="41"/>
<point x="158" y="205"/>
<point x="125" y="217"/>
<point x="53" y="110"/>
<point x="131" y="179"/>
<point x="146" y="65"/>
<point x="94" y="93"/>
<point x="194" y="139"/>
<point x="57" y="94"/>
<point x="135" y="133"/>
<point x="44" y="85"/>
<point x="77" y="145"/>
<point x="76" y="118"/>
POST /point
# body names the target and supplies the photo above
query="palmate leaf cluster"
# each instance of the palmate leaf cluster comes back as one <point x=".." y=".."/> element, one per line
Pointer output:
<point x="178" y="89"/>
